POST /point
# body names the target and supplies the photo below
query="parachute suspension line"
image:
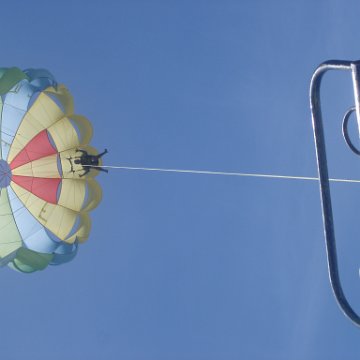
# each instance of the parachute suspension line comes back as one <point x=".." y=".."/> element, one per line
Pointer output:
<point x="223" y="173"/>
<point x="8" y="134"/>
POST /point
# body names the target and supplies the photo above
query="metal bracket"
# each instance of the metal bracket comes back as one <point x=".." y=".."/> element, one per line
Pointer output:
<point x="354" y="67"/>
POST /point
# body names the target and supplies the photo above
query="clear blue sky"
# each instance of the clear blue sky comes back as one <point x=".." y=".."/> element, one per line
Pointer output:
<point x="194" y="267"/>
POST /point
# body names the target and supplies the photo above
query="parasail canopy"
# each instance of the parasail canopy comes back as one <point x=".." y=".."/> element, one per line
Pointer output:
<point x="45" y="194"/>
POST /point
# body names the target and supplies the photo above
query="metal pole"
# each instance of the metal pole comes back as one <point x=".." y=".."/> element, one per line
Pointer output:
<point x="324" y="176"/>
<point x="355" y="67"/>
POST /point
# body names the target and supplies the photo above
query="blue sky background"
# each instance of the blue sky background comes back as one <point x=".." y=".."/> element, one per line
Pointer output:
<point x="193" y="267"/>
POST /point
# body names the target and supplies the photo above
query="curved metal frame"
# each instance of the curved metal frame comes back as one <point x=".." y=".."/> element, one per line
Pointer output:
<point x="354" y="67"/>
<point x="346" y="132"/>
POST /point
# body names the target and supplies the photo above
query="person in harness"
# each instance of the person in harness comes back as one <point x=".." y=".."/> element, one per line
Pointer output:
<point x="89" y="162"/>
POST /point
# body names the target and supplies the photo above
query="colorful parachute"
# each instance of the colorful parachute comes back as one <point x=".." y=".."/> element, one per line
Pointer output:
<point x="44" y="203"/>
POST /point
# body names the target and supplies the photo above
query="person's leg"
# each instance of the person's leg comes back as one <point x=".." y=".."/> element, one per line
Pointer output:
<point x="101" y="169"/>
<point x="102" y="154"/>
<point x="86" y="170"/>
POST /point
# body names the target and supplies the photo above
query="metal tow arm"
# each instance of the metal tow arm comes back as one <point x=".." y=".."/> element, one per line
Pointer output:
<point x="354" y="67"/>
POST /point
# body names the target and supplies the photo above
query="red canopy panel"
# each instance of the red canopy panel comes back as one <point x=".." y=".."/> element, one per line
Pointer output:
<point x="37" y="148"/>
<point x="46" y="189"/>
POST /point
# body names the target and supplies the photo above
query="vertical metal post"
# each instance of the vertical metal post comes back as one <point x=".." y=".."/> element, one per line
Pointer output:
<point x="355" y="67"/>
<point x="324" y="176"/>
